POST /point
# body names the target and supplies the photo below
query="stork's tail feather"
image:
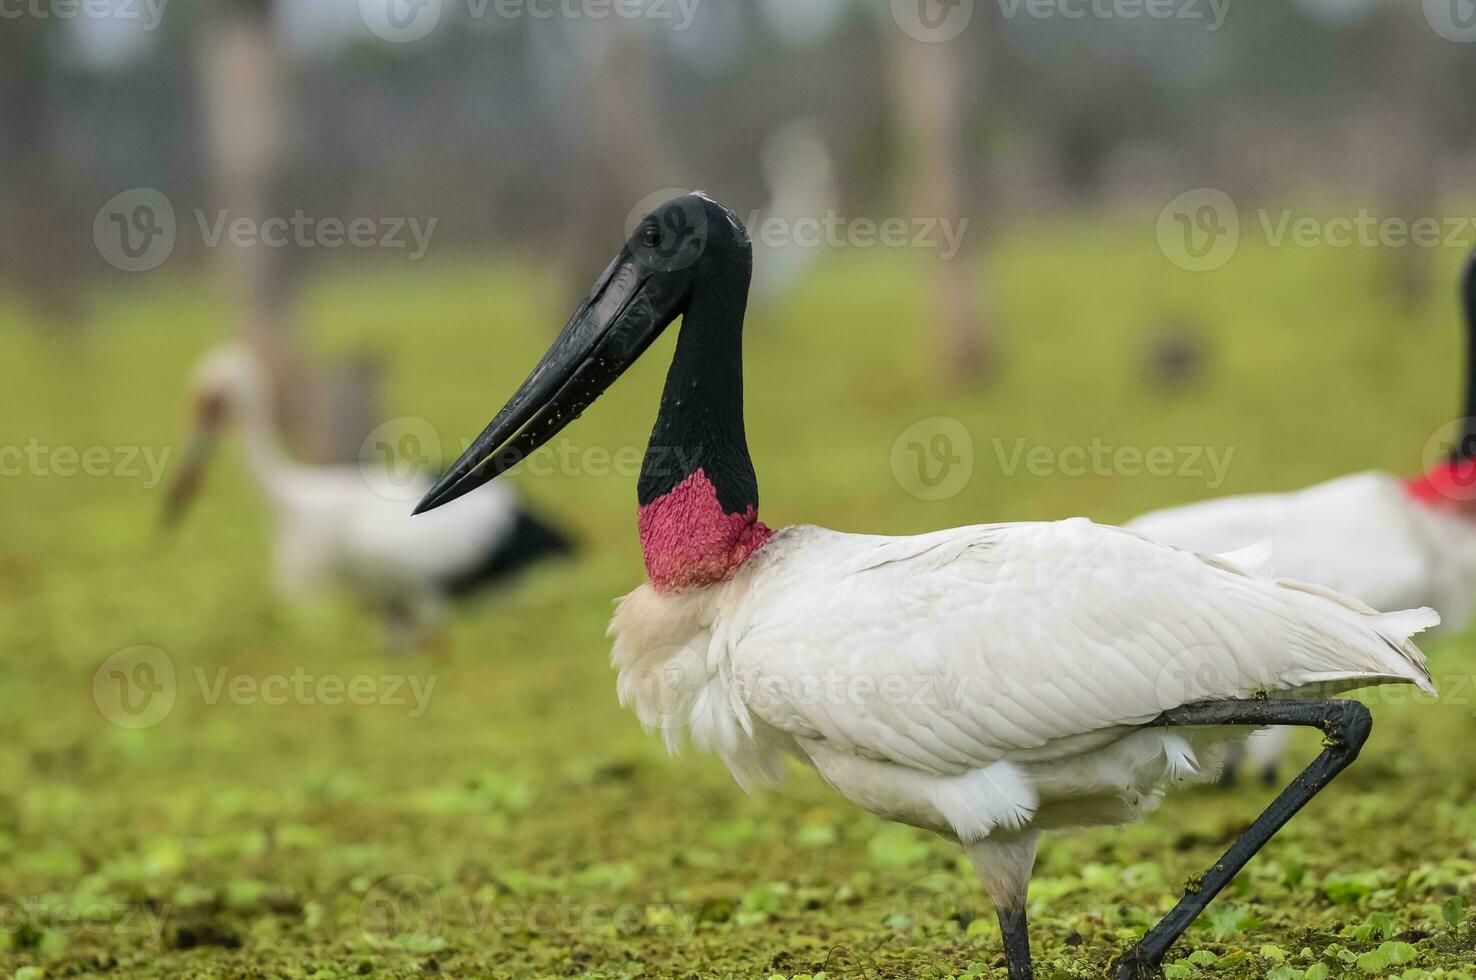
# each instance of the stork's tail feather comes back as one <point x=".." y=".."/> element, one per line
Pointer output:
<point x="1397" y="628"/>
<point x="1396" y="660"/>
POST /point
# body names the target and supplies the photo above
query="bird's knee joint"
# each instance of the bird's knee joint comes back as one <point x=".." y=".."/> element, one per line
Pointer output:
<point x="1346" y="725"/>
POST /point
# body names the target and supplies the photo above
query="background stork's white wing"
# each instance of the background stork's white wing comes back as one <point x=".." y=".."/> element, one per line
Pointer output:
<point x="435" y="544"/>
<point x="949" y="651"/>
<point x="1357" y="534"/>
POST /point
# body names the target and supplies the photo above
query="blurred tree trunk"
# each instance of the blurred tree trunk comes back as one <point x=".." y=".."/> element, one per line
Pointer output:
<point x="929" y="110"/>
<point x="245" y="80"/>
<point x="1402" y="117"/>
<point x="36" y="258"/>
<point x="621" y="154"/>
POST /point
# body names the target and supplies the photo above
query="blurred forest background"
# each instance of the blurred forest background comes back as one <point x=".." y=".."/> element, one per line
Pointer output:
<point x="536" y="135"/>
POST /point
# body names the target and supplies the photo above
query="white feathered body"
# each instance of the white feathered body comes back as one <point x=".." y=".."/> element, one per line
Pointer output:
<point x="986" y="678"/>
<point x="333" y="527"/>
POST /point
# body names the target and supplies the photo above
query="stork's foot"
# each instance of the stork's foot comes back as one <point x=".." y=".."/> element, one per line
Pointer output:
<point x="1136" y="964"/>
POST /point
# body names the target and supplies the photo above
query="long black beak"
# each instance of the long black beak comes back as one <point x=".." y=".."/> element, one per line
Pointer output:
<point x="191" y="474"/>
<point x="627" y="309"/>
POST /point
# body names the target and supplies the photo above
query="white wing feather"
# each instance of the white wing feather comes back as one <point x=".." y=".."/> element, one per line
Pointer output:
<point x="949" y="652"/>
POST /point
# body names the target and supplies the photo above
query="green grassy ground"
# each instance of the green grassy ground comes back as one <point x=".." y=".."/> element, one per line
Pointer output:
<point x="521" y="824"/>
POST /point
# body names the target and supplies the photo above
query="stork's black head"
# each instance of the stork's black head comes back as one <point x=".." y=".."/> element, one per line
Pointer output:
<point x="686" y="244"/>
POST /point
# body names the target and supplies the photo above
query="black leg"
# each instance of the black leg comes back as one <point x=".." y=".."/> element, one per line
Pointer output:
<point x="1345" y="724"/>
<point x="1016" y="934"/>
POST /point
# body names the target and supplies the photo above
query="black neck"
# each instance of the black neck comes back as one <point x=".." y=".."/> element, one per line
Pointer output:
<point x="1466" y="448"/>
<point x="700" y="425"/>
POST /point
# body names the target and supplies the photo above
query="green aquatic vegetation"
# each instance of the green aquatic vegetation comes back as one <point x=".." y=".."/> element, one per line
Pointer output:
<point x="524" y="826"/>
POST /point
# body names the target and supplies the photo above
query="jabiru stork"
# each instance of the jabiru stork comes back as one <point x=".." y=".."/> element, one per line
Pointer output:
<point x="333" y="526"/>
<point x="988" y="683"/>
<point x="1391" y="541"/>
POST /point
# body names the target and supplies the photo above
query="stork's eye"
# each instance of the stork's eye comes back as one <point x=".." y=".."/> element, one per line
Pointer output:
<point x="650" y="236"/>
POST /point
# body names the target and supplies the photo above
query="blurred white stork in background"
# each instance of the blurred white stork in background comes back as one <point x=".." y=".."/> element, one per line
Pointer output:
<point x="1391" y="541"/>
<point x="332" y="526"/>
<point x="988" y="683"/>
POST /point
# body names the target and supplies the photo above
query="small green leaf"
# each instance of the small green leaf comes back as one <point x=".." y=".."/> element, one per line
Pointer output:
<point x="1373" y="961"/>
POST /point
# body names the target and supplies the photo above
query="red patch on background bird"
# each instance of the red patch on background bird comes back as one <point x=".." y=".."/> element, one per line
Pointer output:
<point x="1450" y="486"/>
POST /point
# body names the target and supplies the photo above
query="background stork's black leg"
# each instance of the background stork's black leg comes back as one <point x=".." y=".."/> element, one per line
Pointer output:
<point x="1345" y="724"/>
